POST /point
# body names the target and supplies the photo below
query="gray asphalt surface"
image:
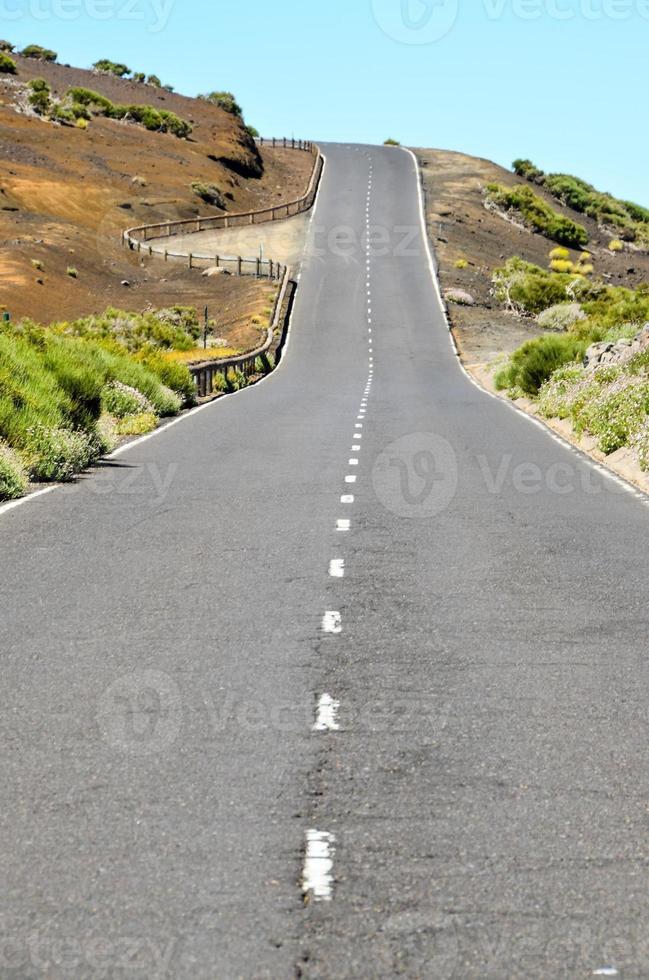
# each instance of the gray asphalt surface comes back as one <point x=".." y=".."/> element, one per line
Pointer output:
<point x="488" y="789"/>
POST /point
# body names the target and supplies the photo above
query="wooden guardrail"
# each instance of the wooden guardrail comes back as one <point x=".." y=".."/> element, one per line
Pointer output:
<point x="139" y="238"/>
<point x="205" y="372"/>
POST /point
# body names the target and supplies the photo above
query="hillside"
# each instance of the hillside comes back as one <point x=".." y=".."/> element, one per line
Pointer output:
<point x="66" y="194"/>
<point x="461" y="228"/>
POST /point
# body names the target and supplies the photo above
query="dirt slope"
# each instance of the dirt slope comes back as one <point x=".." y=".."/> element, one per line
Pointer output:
<point x="66" y="195"/>
<point x="461" y="227"/>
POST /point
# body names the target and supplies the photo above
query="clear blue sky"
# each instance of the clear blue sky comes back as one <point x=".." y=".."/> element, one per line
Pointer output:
<point x="560" y="81"/>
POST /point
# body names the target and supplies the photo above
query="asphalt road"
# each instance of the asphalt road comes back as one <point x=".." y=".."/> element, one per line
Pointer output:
<point x="175" y="624"/>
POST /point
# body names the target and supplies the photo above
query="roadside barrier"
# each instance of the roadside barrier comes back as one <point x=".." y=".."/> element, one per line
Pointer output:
<point x="205" y="372"/>
<point x="140" y="239"/>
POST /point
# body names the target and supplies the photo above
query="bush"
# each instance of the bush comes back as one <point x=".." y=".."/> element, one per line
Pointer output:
<point x="526" y="169"/>
<point x="58" y="454"/>
<point x="72" y="272"/>
<point x="7" y="47"/>
<point x="39" y="85"/>
<point x="156" y="120"/>
<point x="111" y="67"/>
<point x="614" y="413"/>
<point x="391" y="142"/>
<point x="67" y="118"/>
<point x="139" y="76"/>
<point x="537" y="214"/>
<point x="7" y="65"/>
<point x="137" y="425"/>
<point x="225" y="101"/>
<point x="639" y="442"/>
<point x="121" y="400"/>
<point x="251" y="131"/>
<point x="560" y="254"/>
<point x="616" y="245"/>
<point x="461" y="264"/>
<point x="532" y="364"/>
<point x="209" y="193"/>
<point x="154" y="80"/>
<point x="562" y="265"/>
<point x="39" y="100"/>
<point x="526" y="288"/>
<point x="557" y="394"/>
<point x="39" y="53"/>
<point x="13" y="477"/>
<point x="560" y="317"/>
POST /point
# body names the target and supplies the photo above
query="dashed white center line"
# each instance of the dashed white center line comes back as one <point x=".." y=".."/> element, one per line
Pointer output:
<point x="353" y="462"/>
<point x="337" y="568"/>
<point x="350" y="479"/>
<point x="347" y="498"/>
<point x="326" y="719"/>
<point x="317" y="878"/>
<point x="332" y="622"/>
<point x="343" y="525"/>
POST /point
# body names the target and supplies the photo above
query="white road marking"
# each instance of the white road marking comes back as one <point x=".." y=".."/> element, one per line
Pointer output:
<point x="337" y="568"/>
<point x="347" y="498"/>
<point x="350" y="479"/>
<point x="356" y="448"/>
<point x="607" y="971"/>
<point x="317" y="877"/>
<point x="332" y="622"/>
<point x="343" y="525"/>
<point x="353" y="462"/>
<point x="326" y="719"/>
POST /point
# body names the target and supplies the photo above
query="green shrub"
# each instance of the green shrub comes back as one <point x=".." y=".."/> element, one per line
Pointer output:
<point x="39" y="100"/>
<point x="560" y="317"/>
<point x="121" y="400"/>
<point x="616" y="245"/>
<point x="175" y="376"/>
<point x="209" y="193"/>
<point x="111" y="67"/>
<point x="72" y="272"/>
<point x="639" y="442"/>
<point x="537" y="214"/>
<point x="137" y="425"/>
<point x="557" y="394"/>
<point x="526" y="169"/>
<point x="106" y="434"/>
<point x="67" y="118"/>
<point x="139" y="76"/>
<point x="526" y="288"/>
<point x="251" y="131"/>
<point x="7" y="47"/>
<point x="631" y="220"/>
<point x="154" y="80"/>
<point x="86" y="97"/>
<point x="533" y="363"/>
<point x="7" y="65"/>
<point x="225" y="101"/>
<point x="39" y="53"/>
<point x="13" y="476"/>
<point x="391" y="142"/>
<point x="614" y="413"/>
<point x="39" y="85"/>
<point x="58" y="454"/>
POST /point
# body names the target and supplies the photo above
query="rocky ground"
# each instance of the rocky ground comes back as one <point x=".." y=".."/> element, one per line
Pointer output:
<point x="67" y="194"/>
<point x="461" y="228"/>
